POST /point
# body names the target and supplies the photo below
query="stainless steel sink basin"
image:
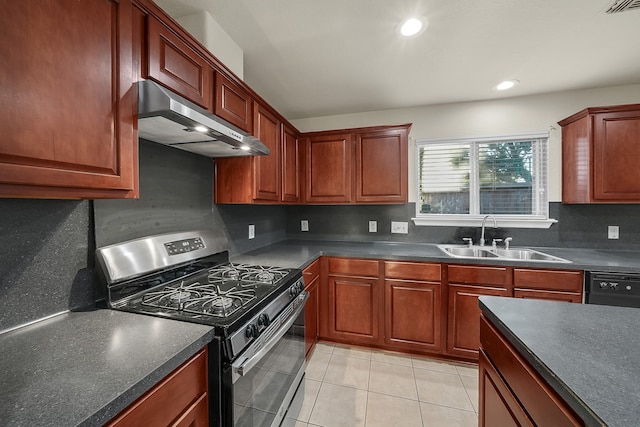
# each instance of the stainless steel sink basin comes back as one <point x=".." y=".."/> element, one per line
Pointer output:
<point x="467" y="252"/>
<point x="527" y="255"/>
<point x="483" y="252"/>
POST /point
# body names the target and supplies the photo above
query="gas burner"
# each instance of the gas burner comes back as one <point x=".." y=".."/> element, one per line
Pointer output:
<point x="265" y="277"/>
<point x="180" y="296"/>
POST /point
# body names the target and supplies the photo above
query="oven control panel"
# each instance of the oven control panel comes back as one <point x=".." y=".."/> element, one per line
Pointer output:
<point x="183" y="246"/>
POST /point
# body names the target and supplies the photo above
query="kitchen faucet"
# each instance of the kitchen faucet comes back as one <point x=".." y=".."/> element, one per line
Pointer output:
<point x="495" y="225"/>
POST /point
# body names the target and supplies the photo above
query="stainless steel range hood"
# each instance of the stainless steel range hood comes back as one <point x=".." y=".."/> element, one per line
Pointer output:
<point x="167" y="118"/>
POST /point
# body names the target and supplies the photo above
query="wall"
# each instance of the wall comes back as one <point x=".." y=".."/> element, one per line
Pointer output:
<point x="579" y="226"/>
<point x="46" y="265"/>
<point x="484" y="118"/>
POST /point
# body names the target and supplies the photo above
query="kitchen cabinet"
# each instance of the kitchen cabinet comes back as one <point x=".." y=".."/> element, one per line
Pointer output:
<point x="181" y="399"/>
<point x="466" y="285"/>
<point x="233" y="103"/>
<point x="290" y="192"/>
<point x="68" y="100"/>
<point x="174" y="64"/>
<point x="364" y="165"/>
<point x="328" y="168"/>
<point x="555" y="285"/>
<point x="311" y="276"/>
<point x="253" y="179"/>
<point x="413" y="309"/>
<point x="381" y="166"/>
<point x="600" y="148"/>
<point x="355" y="301"/>
<point x="511" y="391"/>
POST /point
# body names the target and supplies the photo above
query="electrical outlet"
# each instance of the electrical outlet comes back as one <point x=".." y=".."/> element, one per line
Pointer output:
<point x="373" y="226"/>
<point x="614" y="232"/>
<point x="304" y="225"/>
<point x="400" y="227"/>
<point x="252" y="231"/>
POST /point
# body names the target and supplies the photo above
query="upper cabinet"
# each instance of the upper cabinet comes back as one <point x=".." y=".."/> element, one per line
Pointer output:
<point x="253" y="179"/>
<point x="290" y="165"/>
<point x="173" y="63"/>
<point x="328" y="168"/>
<point x="233" y="103"/>
<point x="365" y="165"/>
<point x="68" y="99"/>
<point x="600" y="148"/>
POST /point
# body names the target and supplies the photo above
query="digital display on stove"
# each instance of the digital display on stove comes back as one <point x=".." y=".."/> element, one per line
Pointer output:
<point x="183" y="246"/>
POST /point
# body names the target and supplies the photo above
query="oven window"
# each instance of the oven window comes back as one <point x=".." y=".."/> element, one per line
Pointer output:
<point x="260" y="393"/>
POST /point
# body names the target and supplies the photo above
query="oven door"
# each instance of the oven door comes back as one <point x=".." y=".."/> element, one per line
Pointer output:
<point x="266" y="375"/>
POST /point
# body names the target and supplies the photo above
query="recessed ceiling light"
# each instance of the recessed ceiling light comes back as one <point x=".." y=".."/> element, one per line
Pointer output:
<point x="507" y="84"/>
<point x="201" y="129"/>
<point x="413" y="27"/>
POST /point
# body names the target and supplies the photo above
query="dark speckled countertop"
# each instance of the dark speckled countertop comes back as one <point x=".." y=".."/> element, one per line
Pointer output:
<point x="83" y="368"/>
<point x="300" y="253"/>
<point x="587" y="353"/>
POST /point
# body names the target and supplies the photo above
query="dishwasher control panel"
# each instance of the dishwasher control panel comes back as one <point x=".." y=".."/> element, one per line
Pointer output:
<point x="620" y="289"/>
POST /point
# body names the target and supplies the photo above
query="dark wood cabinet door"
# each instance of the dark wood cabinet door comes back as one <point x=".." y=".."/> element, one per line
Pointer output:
<point x="381" y="166"/>
<point x="233" y="103"/>
<point x="463" y="323"/>
<point x="328" y="169"/>
<point x="311" y="315"/>
<point x="177" y="66"/>
<point x="497" y="406"/>
<point x="354" y="309"/>
<point x="616" y="145"/>
<point x="266" y="172"/>
<point x="67" y="99"/>
<point x="181" y="399"/>
<point x="412" y="315"/>
<point x="290" y="166"/>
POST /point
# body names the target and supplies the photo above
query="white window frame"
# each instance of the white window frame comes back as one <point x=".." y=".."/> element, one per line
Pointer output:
<point x="540" y="220"/>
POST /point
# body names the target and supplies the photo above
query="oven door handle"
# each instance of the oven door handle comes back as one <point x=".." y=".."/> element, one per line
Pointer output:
<point x="243" y="365"/>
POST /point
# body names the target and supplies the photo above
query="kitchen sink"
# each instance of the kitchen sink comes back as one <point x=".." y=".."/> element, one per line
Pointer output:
<point x="484" y="252"/>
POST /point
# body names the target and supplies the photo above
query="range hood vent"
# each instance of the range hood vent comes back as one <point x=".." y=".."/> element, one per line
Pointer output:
<point x="623" y="6"/>
<point x="167" y="118"/>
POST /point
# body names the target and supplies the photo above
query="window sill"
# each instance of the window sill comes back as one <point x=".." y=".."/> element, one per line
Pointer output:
<point x="476" y="221"/>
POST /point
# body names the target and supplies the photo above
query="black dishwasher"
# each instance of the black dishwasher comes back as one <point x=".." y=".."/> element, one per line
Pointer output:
<point x="609" y="288"/>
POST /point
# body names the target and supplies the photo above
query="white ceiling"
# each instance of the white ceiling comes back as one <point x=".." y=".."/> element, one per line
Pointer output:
<point x="311" y="58"/>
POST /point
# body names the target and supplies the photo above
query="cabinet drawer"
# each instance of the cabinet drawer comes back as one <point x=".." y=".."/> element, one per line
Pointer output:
<point x="548" y="295"/>
<point x="549" y="280"/>
<point x="478" y="275"/>
<point x="412" y="271"/>
<point x="353" y="267"/>
<point x="542" y="403"/>
<point x="172" y="397"/>
<point x="311" y="271"/>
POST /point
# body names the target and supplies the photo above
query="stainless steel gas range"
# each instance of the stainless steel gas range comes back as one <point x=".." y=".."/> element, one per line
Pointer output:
<point x="257" y="360"/>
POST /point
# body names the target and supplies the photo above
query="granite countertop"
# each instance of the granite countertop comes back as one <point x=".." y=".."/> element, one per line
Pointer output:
<point x="83" y="368"/>
<point x="300" y="253"/>
<point x="587" y="353"/>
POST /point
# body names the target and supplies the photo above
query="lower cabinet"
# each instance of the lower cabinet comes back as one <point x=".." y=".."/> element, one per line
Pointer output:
<point x="413" y="306"/>
<point x="180" y="400"/>
<point x="419" y="306"/>
<point x="311" y="276"/>
<point x="466" y="284"/>
<point x="512" y="393"/>
<point x="355" y="301"/>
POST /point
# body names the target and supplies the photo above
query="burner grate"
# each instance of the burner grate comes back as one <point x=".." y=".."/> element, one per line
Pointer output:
<point x="201" y="299"/>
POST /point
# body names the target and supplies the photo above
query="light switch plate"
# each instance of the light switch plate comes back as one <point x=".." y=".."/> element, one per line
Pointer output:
<point x="614" y="232"/>
<point x="373" y="226"/>
<point x="252" y="231"/>
<point x="304" y="225"/>
<point x="400" y="227"/>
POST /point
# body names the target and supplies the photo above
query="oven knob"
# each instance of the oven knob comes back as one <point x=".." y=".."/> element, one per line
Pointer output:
<point x="263" y="320"/>
<point x="251" y="331"/>
<point x="293" y="291"/>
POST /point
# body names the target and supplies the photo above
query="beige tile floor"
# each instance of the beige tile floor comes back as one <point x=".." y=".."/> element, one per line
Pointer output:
<point x="356" y="387"/>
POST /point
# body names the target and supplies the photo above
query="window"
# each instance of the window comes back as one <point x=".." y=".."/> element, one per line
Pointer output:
<point x="461" y="181"/>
